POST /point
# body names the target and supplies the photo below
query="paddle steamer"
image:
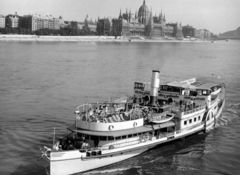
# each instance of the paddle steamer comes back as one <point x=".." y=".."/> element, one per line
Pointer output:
<point x="110" y="132"/>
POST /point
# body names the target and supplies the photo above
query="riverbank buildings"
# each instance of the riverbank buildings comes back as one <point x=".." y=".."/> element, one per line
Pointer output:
<point x="13" y="21"/>
<point x="140" y="23"/>
<point x="31" y="22"/>
<point x="36" y="22"/>
<point x="189" y="31"/>
<point x="2" y="21"/>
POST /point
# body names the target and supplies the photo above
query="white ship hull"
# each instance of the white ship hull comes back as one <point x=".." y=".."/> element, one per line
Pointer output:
<point x="72" y="166"/>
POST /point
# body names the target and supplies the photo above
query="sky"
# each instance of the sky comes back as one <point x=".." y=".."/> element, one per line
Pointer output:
<point x="217" y="16"/>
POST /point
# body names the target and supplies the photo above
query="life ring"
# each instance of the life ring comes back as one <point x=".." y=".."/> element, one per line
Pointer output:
<point x="111" y="147"/>
<point x="134" y="124"/>
<point x="111" y="127"/>
<point x="146" y="138"/>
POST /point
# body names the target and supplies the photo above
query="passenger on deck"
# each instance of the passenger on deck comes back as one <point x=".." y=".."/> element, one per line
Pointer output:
<point x="69" y="144"/>
<point x="85" y="145"/>
<point x="60" y="142"/>
<point x="96" y="141"/>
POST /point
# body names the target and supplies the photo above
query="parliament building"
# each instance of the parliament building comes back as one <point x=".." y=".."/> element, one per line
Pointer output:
<point x="141" y="23"/>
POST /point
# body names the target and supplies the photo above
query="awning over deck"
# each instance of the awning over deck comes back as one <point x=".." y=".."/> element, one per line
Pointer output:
<point x="122" y="132"/>
<point x="180" y="85"/>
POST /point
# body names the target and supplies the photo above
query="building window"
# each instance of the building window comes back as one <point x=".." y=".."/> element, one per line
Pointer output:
<point x="190" y="121"/>
<point x="185" y="122"/>
<point x="199" y="117"/>
<point x="195" y="119"/>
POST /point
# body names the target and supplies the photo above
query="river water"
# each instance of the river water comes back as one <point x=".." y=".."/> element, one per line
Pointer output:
<point x="42" y="83"/>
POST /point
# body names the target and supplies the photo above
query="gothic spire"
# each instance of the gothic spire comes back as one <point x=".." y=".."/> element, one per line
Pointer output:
<point x="143" y="1"/>
<point x="120" y="14"/>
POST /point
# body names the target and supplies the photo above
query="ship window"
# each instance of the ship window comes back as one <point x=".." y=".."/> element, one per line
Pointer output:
<point x="110" y="138"/>
<point x="86" y="137"/>
<point x="93" y="137"/>
<point x="134" y="135"/>
<point x="129" y="136"/>
<point x="199" y="92"/>
<point x="79" y="135"/>
<point x="139" y="133"/>
<point x="190" y="121"/>
<point x="185" y="122"/>
<point x="198" y="117"/>
<point x="124" y="137"/>
<point x="103" y="138"/>
<point x="195" y="119"/>
<point x="117" y="138"/>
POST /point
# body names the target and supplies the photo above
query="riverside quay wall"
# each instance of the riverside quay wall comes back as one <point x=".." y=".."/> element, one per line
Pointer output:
<point x="92" y="38"/>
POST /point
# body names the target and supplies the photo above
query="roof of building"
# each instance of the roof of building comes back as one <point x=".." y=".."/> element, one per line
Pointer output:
<point x="143" y="10"/>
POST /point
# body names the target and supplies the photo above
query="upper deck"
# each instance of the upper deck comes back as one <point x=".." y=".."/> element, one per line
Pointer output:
<point x="203" y="86"/>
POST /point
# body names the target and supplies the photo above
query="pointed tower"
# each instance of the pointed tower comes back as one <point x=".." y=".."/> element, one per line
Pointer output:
<point x="129" y="16"/>
<point x="150" y="25"/>
<point x="120" y="14"/>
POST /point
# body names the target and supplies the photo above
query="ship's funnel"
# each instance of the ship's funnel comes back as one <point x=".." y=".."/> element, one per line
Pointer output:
<point x="155" y="82"/>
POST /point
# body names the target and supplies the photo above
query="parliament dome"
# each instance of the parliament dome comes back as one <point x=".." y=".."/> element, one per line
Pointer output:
<point x="143" y="14"/>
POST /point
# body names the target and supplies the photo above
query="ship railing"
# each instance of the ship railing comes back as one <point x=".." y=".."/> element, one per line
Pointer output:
<point x="108" y="114"/>
<point x="194" y="110"/>
<point x="138" y="140"/>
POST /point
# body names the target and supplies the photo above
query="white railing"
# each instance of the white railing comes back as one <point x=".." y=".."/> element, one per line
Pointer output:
<point x="194" y="110"/>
